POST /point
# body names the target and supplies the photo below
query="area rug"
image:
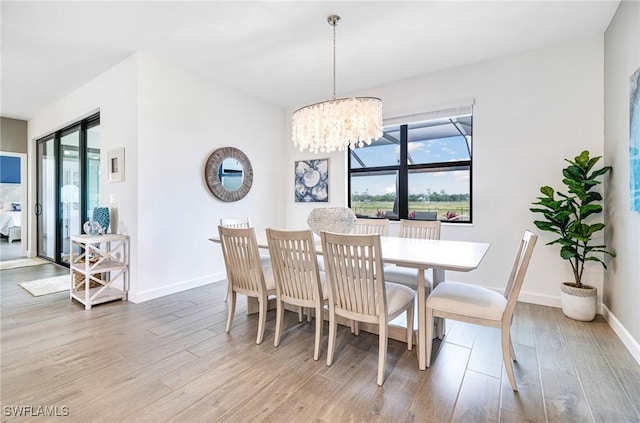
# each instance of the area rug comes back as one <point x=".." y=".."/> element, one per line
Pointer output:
<point x="12" y="264"/>
<point x="47" y="286"/>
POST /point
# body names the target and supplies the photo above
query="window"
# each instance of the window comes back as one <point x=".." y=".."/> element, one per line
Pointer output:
<point x="419" y="169"/>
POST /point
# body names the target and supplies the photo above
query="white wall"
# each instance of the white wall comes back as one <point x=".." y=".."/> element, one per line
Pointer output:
<point x="184" y="117"/>
<point x="114" y="94"/>
<point x="531" y="111"/>
<point x="169" y="120"/>
<point x="622" y="281"/>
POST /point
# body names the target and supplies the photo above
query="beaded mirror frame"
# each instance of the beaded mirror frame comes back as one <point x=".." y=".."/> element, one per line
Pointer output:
<point x="212" y="174"/>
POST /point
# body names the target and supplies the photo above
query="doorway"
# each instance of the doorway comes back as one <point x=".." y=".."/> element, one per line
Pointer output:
<point x="68" y="186"/>
<point x="13" y="194"/>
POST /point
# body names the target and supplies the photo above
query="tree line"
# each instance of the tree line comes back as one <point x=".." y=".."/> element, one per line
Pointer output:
<point x="431" y="196"/>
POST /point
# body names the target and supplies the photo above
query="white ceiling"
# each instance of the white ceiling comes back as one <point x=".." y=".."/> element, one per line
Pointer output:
<point x="279" y="51"/>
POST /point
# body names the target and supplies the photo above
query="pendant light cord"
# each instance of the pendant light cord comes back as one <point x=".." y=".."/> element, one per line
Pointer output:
<point x="334" y="60"/>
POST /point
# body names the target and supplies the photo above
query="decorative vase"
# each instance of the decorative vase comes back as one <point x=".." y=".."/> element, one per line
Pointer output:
<point x="332" y="219"/>
<point x="92" y="228"/>
<point x="578" y="303"/>
<point x="101" y="215"/>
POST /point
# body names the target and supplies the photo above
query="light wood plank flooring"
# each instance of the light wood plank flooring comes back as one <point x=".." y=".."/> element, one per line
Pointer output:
<point x="170" y="360"/>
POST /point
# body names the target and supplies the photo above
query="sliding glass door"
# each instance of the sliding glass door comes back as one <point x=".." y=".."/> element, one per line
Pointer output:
<point x="70" y="189"/>
<point x="68" y="186"/>
<point x="46" y="206"/>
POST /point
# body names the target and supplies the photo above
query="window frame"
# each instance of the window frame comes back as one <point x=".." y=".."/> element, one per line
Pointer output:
<point x="404" y="168"/>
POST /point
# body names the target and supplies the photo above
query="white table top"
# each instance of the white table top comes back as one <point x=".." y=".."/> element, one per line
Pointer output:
<point x="462" y="256"/>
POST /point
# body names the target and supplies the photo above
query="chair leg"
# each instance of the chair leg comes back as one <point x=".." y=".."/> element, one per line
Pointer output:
<point x="279" y="319"/>
<point x="262" y="318"/>
<point x="356" y="327"/>
<point x="382" y="353"/>
<point x="232" y="310"/>
<point x="506" y="356"/>
<point x="410" y="318"/>
<point x="513" y="352"/>
<point x="333" y="328"/>
<point x="226" y="298"/>
<point x="319" y="323"/>
<point x="429" y="333"/>
<point x="300" y="314"/>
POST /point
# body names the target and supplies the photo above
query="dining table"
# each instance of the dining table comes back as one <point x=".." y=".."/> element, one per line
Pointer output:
<point x="420" y="254"/>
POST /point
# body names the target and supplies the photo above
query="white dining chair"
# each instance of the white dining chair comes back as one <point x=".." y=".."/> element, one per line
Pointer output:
<point x="298" y="280"/>
<point x="358" y="291"/>
<point x="365" y="226"/>
<point x="422" y="229"/>
<point x="245" y="273"/>
<point x="482" y="306"/>
<point x="242" y="223"/>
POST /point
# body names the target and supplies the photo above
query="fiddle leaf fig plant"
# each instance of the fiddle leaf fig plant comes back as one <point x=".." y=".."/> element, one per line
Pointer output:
<point x="566" y="214"/>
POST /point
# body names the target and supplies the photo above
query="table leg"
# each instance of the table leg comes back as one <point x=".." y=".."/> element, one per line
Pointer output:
<point x="438" y="276"/>
<point x="422" y="322"/>
<point x="252" y="305"/>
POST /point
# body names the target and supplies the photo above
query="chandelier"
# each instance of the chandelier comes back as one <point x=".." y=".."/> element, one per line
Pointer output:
<point x="334" y="124"/>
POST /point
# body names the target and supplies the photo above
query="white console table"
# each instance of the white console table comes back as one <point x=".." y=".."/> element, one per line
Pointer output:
<point x="99" y="268"/>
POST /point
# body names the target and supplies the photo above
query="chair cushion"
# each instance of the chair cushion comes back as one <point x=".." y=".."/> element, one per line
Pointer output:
<point x="405" y="276"/>
<point x="398" y="296"/>
<point x="467" y="300"/>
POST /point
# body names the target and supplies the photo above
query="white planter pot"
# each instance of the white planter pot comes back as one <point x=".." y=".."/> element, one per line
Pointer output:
<point x="578" y="303"/>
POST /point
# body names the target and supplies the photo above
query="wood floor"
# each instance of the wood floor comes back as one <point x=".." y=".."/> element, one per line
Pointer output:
<point x="170" y="360"/>
<point x="10" y="250"/>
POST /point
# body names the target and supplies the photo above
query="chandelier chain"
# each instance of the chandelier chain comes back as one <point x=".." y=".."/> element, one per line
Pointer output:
<point x="334" y="60"/>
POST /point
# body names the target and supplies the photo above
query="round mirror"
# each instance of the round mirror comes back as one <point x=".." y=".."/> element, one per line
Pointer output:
<point x="228" y="174"/>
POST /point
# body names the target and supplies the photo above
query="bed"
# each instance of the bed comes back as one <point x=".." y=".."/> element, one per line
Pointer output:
<point x="11" y="224"/>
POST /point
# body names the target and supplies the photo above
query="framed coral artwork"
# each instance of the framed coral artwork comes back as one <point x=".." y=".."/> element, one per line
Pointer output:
<point x="312" y="181"/>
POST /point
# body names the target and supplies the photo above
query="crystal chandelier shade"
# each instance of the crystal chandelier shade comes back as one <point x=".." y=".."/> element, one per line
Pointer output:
<point x="337" y="123"/>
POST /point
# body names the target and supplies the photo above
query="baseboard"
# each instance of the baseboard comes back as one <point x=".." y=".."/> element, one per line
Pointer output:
<point x="551" y="300"/>
<point x="151" y="294"/>
<point x="540" y="299"/>
<point x="632" y="345"/>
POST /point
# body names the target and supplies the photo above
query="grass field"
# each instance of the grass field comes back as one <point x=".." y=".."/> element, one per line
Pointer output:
<point x="371" y="208"/>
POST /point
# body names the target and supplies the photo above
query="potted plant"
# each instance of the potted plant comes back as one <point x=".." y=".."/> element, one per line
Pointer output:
<point x="566" y="216"/>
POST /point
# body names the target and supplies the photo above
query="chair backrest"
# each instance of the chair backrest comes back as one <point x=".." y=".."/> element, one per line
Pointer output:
<point x="355" y="277"/>
<point x="422" y="229"/>
<point x="243" y="222"/>
<point x="242" y="260"/>
<point x="371" y="226"/>
<point x="295" y="265"/>
<point x="427" y="215"/>
<point x="520" y="265"/>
